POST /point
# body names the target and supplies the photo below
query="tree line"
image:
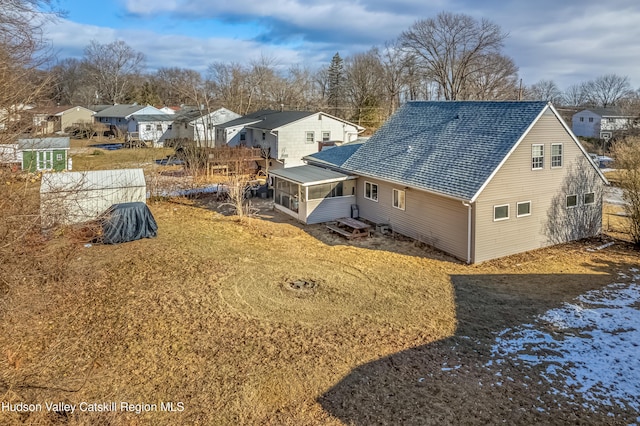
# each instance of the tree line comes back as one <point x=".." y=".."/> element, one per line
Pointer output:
<point x="450" y="56"/>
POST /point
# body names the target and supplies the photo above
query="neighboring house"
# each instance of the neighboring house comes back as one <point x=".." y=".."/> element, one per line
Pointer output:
<point x="43" y="154"/>
<point x="153" y="128"/>
<point x="288" y="135"/>
<point x="13" y="116"/>
<point x="48" y="120"/>
<point x="600" y="123"/>
<point x="120" y="116"/>
<point x="199" y="126"/>
<point x="478" y="180"/>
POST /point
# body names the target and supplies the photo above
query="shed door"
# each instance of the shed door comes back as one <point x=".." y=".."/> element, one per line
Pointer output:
<point x="45" y="160"/>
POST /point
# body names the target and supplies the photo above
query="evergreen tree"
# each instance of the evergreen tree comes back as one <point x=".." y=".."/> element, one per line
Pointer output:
<point x="336" y="89"/>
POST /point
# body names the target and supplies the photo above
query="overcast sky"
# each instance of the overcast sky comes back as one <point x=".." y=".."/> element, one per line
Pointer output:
<point x="567" y="41"/>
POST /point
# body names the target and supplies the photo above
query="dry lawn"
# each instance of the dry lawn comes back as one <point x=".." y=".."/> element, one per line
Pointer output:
<point x="206" y="315"/>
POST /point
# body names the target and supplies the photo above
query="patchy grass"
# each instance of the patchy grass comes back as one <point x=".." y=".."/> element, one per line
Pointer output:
<point x="206" y="314"/>
<point x="89" y="159"/>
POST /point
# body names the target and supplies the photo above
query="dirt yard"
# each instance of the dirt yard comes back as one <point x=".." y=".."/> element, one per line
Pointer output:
<point x="263" y="321"/>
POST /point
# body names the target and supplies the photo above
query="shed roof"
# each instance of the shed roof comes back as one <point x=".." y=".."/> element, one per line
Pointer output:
<point x="43" y="143"/>
<point x="334" y="156"/>
<point x="450" y="148"/>
<point x="608" y="112"/>
<point x="309" y="175"/>
<point x="92" y="180"/>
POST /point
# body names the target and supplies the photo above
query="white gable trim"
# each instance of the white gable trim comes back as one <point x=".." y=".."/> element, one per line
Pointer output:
<point x="526" y="132"/>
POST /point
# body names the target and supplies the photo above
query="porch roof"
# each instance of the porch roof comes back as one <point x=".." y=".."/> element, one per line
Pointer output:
<point x="310" y="175"/>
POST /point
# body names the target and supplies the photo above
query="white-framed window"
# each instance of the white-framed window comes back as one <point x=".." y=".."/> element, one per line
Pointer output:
<point x="501" y="212"/>
<point x="147" y="127"/>
<point x="58" y="157"/>
<point x="589" y="198"/>
<point x="523" y="209"/>
<point x="572" y="201"/>
<point x="371" y="191"/>
<point x="537" y="157"/>
<point x="209" y="126"/>
<point x="398" y="199"/>
<point x="556" y="155"/>
<point x="159" y="127"/>
<point x="310" y="137"/>
<point x="590" y="119"/>
<point x="326" y="136"/>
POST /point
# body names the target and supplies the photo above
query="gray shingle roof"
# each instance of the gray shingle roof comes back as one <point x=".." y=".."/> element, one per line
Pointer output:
<point x="43" y="143"/>
<point x="450" y="147"/>
<point x="335" y="156"/>
<point x="119" y="111"/>
<point x="154" y="117"/>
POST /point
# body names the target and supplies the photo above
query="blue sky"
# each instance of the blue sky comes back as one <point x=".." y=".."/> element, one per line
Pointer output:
<point x="565" y="41"/>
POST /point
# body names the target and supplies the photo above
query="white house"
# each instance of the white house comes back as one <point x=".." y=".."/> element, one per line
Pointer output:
<point x="201" y="126"/>
<point x="288" y="135"/>
<point x="600" y="122"/>
<point x="120" y="115"/>
<point x="153" y="128"/>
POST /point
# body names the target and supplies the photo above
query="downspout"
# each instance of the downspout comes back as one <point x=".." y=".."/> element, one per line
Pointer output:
<point x="468" y="231"/>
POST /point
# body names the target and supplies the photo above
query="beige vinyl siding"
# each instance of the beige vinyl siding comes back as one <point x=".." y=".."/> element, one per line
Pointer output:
<point x="516" y="182"/>
<point x="75" y="115"/>
<point x="438" y="221"/>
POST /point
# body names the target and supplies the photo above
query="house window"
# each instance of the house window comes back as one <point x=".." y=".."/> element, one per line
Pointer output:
<point x="589" y="198"/>
<point x="159" y="127"/>
<point x="371" y="191"/>
<point x="170" y="126"/>
<point x="209" y="126"/>
<point x="572" y="201"/>
<point x="326" y="136"/>
<point x="501" y="212"/>
<point x="581" y="119"/>
<point x="243" y="136"/>
<point x="264" y="136"/>
<point x="524" y="209"/>
<point x="590" y="119"/>
<point x="147" y="127"/>
<point x="398" y="199"/>
<point x="326" y="190"/>
<point x="537" y="157"/>
<point x="556" y="155"/>
<point x="310" y="138"/>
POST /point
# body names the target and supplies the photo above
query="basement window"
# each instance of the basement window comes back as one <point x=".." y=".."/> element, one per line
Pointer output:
<point x="572" y="201"/>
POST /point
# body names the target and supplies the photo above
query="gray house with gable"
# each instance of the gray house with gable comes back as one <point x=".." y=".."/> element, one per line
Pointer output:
<point x="478" y="180"/>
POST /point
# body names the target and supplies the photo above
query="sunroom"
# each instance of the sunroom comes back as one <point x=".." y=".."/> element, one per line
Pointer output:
<point x="313" y="194"/>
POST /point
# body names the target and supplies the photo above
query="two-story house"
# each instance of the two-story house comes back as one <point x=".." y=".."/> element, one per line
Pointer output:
<point x="478" y="180"/>
<point x="600" y="123"/>
<point x="288" y="135"/>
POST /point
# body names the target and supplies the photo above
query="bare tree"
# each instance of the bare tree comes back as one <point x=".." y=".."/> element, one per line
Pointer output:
<point x="448" y="47"/>
<point x="394" y="66"/>
<point x="495" y="78"/>
<point x="22" y="54"/>
<point x="607" y="90"/>
<point x="573" y="214"/>
<point x="545" y="90"/>
<point x="575" y="95"/>
<point x="627" y="157"/>
<point x="112" y="68"/>
<point x="364" y="84"/>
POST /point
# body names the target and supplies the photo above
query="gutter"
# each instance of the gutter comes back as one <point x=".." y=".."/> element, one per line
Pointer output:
<point x="468" y="231"/>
